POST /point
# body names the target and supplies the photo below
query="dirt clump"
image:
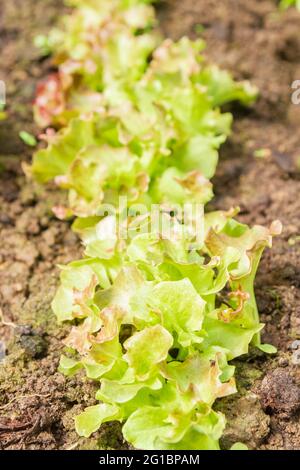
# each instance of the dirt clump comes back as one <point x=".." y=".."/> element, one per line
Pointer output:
<point x="279" y="393"/>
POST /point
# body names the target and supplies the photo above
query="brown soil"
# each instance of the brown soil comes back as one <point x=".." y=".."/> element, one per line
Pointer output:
<point x="255" y="42"/>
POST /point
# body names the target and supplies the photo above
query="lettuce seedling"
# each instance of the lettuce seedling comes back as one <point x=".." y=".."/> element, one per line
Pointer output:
<point x="158" y="138"/>
<point x="159" y="338"/>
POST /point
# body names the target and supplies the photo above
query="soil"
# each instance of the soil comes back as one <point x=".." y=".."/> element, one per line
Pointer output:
<point x="255" y="42"/>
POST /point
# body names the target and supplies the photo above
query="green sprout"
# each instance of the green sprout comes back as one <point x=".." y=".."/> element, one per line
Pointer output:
<point x="28" y="138"/>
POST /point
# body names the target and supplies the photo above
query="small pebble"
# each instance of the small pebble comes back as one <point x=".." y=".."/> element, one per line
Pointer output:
<point x="295" y="345"/>
<point x="283" y="362"/>
<point x="2" y="350"/>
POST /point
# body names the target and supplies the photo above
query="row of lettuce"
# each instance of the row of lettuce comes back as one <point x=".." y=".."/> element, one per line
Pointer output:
<point x="158" y="304"/>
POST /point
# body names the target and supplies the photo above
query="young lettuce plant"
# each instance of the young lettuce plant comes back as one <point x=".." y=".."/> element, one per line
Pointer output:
<point x="160" y="331"/>
<point x="156" y="314"/>
<point x="149" y="143"/>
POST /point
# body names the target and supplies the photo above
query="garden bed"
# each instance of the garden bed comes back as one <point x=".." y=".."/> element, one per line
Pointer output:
<point x="252" y="40"/>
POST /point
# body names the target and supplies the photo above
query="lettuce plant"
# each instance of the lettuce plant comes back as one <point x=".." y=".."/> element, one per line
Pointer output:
<point x="160" y="330"/>
<point x="157" y="314"/>
<point x="152" y="136"/>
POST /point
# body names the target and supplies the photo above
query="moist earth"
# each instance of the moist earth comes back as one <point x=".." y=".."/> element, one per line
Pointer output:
<point x="259" y="171"/>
